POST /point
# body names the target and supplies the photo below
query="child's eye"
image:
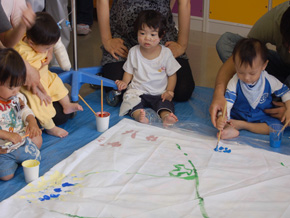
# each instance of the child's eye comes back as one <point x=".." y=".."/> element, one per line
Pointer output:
<point x="153" y="35"/>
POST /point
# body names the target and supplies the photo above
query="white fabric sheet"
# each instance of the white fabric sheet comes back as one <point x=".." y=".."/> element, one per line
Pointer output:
<point x="137" y="170"/>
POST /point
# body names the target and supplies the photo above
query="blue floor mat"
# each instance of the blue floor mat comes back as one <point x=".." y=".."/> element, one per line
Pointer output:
<point x="193" y="115"/>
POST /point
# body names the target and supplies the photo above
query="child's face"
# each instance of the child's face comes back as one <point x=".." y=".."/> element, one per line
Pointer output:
<point x="148" y="37"/>
<point x="6" y="92"/>
<point x="249" y="74"/>
<point x="40" y="48"/>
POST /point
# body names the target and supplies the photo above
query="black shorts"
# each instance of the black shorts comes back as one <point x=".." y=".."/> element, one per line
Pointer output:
<point x="154" y="102"/>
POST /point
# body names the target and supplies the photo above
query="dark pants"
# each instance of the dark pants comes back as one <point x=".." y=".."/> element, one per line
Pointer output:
<point x="85" y="12"/>
<point x="60" y="117"/>
<point x="155" y="102"/>
<point x="184" y="85"/>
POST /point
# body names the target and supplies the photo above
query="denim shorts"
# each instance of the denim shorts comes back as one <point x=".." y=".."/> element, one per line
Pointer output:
<point x="9" y="162"/>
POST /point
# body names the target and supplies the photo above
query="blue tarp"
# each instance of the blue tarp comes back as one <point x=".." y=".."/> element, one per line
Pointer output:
<point x="193" y="115"/>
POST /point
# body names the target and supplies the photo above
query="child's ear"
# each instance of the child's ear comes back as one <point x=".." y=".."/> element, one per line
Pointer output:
<point x="265" y="64"/>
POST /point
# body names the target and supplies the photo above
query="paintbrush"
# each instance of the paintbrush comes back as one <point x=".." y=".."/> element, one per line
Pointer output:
<point x="87" y="104"/>
<point x="220" y="132"/>
<point x="285" y="125"/>
<point x="9" y="144"/>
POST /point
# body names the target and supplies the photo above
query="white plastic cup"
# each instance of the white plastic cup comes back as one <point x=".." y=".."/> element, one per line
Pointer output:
<point x="102" y="122"/>
<point x="31" y="170"/>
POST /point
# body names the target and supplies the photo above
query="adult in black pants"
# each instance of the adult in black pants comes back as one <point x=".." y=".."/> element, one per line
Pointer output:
<point x="85" y="16"/>
<point x="117" y="34"/>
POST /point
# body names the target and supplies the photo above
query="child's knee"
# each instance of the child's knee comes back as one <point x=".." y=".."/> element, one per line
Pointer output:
<point x="37" y="141"/>
<point x="6" y="178"/>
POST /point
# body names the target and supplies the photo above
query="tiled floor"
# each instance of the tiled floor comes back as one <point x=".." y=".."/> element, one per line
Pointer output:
<point x="201" y="51"/>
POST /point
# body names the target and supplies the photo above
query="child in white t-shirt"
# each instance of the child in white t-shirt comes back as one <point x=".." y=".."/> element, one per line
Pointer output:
<point x="151" y="71"/>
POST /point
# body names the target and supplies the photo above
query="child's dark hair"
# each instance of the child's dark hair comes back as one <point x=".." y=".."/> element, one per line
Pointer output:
<point x="285" y="28"/>
<point x="153" y="19"/>
<point x="45" y="31"/>
<point x="12" y="67"/>
<point x="248" y="48"/>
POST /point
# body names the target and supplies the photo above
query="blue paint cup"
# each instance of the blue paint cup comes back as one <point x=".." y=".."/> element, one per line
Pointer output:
<point x="275" y="135"/>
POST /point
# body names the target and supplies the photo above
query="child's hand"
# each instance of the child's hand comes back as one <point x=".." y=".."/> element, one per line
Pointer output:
<point x="48" y="58"/>
<point x="121" y="85"/>
<point x="33" y="130"/>
<point x="221" y="122"/>
<point x="168" y="95"/>
<point x="286" y="117"/>
<point x="13" y="137"/>
<point x="44" y="97"/>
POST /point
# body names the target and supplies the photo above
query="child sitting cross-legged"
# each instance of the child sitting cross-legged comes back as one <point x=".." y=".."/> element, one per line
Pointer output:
<point x="36" y="48"/>
<point x="20" y="136"/>
<point x="151" y="71"/>
<point x="250" y="91"/>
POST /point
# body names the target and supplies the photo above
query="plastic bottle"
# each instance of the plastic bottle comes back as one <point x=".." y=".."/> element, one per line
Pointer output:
<point x="152" y="116"/>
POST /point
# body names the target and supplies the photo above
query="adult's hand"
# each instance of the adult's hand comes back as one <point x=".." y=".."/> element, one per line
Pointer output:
<point x="28" y="17"/>
<point x="277" y="112"/>
<point x="176" y="48"/>
<point x="32" y="82"/>
<point x="115" y="46"/>
<point x="217" y="104"/>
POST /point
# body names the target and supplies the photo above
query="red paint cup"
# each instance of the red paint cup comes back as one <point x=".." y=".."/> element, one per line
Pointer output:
<point x="102" y="122"/>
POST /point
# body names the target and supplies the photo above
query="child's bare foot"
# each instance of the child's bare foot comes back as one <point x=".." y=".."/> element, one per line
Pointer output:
<point x="56" y="131"/>
<point x="169" y="119"/>
<point x="72" y="107"/>
<point x="229" y="132"/>
<point x="142" y="118"/>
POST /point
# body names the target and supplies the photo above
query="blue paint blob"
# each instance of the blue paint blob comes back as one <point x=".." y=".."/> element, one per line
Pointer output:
<point x="54" y="195"/>
<point x="46" y="197"/>
<point x="66" y="184"/>
<point x="57" y="189"/>
<point x="216" y="148"/>
<point x="221" y="148"/>
<point x="227" y="150"/>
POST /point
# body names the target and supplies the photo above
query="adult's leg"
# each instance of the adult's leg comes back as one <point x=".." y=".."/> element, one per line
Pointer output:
<point x="278" y="68"/>
<point x="60" y="117"/>
<point x="85" y="12"/>
<point x="113" y="71"/>
<point x="185" y="83"/>
<point x="225" y="45"/>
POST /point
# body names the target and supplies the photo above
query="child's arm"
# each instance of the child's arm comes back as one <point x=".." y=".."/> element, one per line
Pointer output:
<point x="10" y="136"/>
<point x="169" y="92"/>
<point x="32" y="128"/>
<point x="123" y="84"/>
<point x="286" y="116"/>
